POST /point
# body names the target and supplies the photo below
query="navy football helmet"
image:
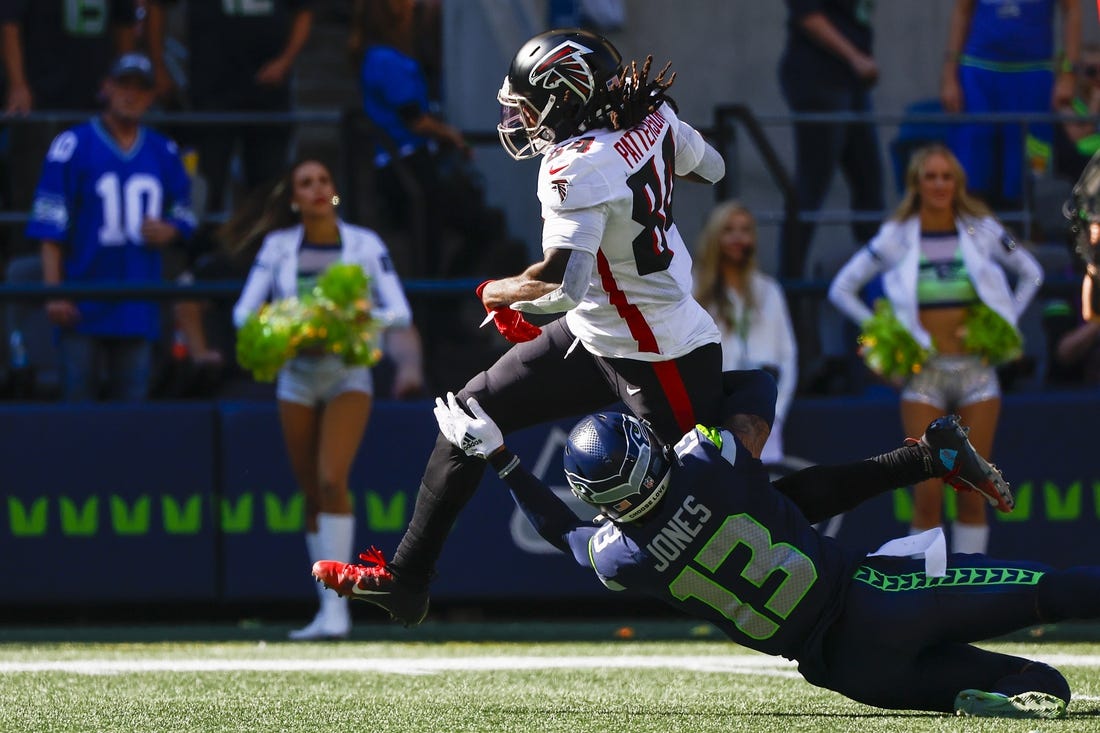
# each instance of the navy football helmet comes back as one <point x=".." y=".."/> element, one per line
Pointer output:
<point x="616" y="463"/>
<point x="556" y="88"/>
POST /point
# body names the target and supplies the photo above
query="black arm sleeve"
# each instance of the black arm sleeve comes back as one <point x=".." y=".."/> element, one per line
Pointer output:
<point x="548" y="514"/>
<point x="825" y="491"/>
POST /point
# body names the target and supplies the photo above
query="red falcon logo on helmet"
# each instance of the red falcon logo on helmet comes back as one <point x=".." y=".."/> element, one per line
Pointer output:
<point x="564" y="65"/>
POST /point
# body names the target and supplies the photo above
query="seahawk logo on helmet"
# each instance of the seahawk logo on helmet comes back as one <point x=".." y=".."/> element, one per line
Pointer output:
<point x="615" y="462"/>
<point x="564" y="65"/>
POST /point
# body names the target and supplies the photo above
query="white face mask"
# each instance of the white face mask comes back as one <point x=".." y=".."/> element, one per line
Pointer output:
<point x="521" y="131"/>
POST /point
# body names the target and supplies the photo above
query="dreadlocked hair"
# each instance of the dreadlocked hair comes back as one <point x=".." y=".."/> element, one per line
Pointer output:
<point x="636" y="96"/>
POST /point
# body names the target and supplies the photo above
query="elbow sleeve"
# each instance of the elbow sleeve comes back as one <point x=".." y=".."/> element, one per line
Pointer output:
<point x="574" y="286"/>
<point x="711" y="167"/>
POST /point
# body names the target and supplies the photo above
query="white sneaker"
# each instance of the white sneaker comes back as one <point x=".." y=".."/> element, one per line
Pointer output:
<point x="333" y="621"/>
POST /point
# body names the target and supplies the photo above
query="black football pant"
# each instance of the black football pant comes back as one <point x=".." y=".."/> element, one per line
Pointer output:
<point x="904" y="639"/>
<point x="548" y="379"/>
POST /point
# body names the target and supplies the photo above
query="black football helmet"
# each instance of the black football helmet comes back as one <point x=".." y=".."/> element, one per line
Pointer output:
<point x="616" y="463"/>
<point x="556" y="88"/>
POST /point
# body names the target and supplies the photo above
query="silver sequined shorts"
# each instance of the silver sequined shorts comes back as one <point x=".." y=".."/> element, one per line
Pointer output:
<point x="311" y="380"/>
<point x="951" y="381"/>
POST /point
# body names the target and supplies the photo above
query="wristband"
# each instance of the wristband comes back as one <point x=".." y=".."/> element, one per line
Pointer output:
<point x="512" y="465"/>
<point x="500" y="458"/>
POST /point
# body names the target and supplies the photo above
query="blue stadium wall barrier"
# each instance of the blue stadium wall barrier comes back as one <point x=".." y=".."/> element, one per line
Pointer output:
<point x="107" y="503"/>
<point x="1047" y="445"/>
<point x="197" y="499"/>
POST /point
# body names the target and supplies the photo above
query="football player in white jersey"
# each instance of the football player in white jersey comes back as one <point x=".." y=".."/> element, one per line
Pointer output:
<point x="614" y="264"/>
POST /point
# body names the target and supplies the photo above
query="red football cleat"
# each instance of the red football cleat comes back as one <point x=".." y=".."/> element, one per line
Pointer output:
<point x="374" y="584"/>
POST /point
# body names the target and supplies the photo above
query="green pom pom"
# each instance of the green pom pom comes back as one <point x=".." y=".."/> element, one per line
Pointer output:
<point x="343" y="284"/>
<point x="269" y="338"/>
<point x="887" y="348"/>
<point x="334" y="318"/>
<point x="991" y="336"/>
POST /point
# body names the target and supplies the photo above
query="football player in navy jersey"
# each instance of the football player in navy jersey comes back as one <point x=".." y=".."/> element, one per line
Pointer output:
<point x="112" y="195"/>
<point x="612" y="147"/>
<point x="699" y="526"/>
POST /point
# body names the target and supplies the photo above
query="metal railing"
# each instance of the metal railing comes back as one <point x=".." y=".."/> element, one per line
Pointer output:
<point x="357" y="136"/>
<point x="730" y="120"/>
<point x="356" y="139"/>
<point x="169" y="291"/>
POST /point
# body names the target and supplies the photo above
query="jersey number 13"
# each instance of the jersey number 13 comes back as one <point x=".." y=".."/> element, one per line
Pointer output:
<point x="765" y="560"/>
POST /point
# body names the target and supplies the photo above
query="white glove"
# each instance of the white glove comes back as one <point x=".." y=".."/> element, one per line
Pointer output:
<point x="476" y="436"/>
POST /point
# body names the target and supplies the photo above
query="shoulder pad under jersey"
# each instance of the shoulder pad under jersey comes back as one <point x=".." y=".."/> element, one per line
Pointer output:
<point x="580" y="174"/>
<point x="717" y="438"/>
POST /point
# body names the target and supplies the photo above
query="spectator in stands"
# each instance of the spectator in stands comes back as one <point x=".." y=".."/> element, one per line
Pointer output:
<point x="425" y="45"/>
<point x="324" y="405"/>
<point x="1000" y="57"/>
<point x="414" y="144"/>
<point x="827" y="66"/>
<point x="749" y="308"/>
<point x="241" y="56"/>
<point x="1076" y="141"/>
<point x="939" y="254"/>
<point x="1077" y="354"/>
<point x="55" y="55"/>
<point x="112" y="196"/>
<point x="1075" y="340"/>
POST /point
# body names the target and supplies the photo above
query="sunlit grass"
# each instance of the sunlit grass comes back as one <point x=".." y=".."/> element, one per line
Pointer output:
<point x="439" y="685"/>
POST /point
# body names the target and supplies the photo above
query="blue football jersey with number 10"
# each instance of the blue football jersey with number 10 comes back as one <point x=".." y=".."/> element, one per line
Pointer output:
<point x="92" y="199"/>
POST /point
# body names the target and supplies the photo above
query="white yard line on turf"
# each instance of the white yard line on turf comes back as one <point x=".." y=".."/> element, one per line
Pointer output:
<point x="741" y="664"/>
<point x="416" y="666"/>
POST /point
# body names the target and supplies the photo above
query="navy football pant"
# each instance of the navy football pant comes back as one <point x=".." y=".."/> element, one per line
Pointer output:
<point x="904" y="640"/>
<point x="537" y="382"/>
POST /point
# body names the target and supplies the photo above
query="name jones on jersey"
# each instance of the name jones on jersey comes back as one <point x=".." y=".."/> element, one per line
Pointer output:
<point x="678" y="533"/>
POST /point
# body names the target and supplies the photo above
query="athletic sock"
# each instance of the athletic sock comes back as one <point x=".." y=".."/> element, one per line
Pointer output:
<point x="969" y="538"/>
<point x="825" y="491"/>
<point x="316" y="552"/>
<point x="909" y="464"/>
<point x="337" y="536"/>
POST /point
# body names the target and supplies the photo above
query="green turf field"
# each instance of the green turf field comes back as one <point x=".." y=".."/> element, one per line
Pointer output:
<point x="526" y="677"/>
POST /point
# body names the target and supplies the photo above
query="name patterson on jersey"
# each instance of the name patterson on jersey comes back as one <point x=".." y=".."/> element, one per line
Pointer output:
<point x="678" y="532"/>
<point x="636" y="142"/>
